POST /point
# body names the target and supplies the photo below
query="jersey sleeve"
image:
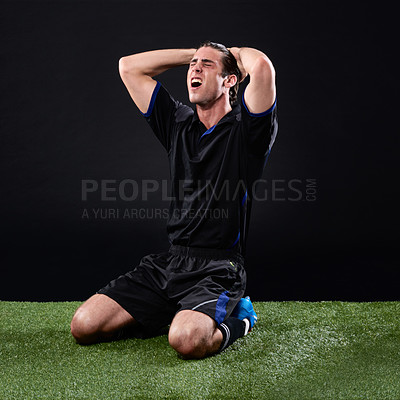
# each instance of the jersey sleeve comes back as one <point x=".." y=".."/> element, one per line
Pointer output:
<point x="260" y="129"/>
<point x="161" y="115"/>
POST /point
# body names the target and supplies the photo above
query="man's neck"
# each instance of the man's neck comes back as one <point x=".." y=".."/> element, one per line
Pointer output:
<point x="210" y="114"/>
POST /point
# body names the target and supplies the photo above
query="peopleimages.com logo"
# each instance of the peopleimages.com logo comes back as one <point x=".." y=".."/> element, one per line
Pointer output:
<point x="111" y="192"/>
<point x="130" y="190"/>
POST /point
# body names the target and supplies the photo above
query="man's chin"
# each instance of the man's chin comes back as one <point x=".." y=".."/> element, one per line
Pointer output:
<point x="193" y="99"/>
<point x="196" y="100"/>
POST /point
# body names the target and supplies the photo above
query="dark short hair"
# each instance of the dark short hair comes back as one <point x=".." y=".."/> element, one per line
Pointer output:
<point x="230" y="67"/>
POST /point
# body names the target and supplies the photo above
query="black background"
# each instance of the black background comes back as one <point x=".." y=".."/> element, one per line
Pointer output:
<point x="66" y="117"/>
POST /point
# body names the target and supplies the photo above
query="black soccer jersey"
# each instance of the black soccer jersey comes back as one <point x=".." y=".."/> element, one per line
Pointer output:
<point x="213" y="171"/>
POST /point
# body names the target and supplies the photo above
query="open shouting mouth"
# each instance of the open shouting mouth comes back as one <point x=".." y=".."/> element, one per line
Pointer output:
<point x="196" y="82"/>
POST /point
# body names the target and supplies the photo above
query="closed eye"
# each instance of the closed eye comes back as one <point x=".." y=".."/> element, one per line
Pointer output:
<point x="205" y="62"/>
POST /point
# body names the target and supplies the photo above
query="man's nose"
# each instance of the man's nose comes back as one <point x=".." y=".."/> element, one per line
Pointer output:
<point x="197" y="67"/>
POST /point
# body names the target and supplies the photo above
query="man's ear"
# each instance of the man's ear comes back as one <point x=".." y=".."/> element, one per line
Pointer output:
<point x="230" y="81"/>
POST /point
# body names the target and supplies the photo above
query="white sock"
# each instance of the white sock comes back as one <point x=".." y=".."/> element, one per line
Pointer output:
<point x="246" y="329"/>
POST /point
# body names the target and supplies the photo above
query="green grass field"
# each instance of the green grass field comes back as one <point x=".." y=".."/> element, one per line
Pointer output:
<point x="328" y="350"/>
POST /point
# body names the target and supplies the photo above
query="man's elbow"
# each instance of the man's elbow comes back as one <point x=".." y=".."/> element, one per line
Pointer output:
<point x="128" y="66"/>
<point x="124" y="66"/>
<point x="263" y="70"/>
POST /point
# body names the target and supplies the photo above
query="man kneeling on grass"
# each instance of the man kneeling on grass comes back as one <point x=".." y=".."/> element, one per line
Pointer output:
<point x="216" y="153"/>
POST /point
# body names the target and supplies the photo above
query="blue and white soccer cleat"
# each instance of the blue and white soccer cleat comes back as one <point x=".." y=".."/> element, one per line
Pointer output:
<point x="244" y="309"/>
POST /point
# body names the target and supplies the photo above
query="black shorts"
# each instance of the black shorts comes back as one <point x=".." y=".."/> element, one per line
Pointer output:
<point x="206" y="280"/>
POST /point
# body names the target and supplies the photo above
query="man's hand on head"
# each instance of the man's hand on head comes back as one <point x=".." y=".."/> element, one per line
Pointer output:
<point x="260" y="93"/>
<point x="236" y="53"/>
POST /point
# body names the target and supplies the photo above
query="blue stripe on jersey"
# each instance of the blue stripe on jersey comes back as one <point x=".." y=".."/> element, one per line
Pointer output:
<point x="266" y="158"/>
<point x="244" y="198"/>
<point x="237" y="239"/>
<point x="258" y="114"/>
<point x="152" y="101"/>
<point x="220" y="308"/>
<point x="208" y="131"/>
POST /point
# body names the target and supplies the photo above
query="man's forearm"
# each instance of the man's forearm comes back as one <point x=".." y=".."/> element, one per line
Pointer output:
<point x="138" y="70"/>
<point x="248" y="58"/>
<point x="260" y="92"/>
<point x="152" y="63"/>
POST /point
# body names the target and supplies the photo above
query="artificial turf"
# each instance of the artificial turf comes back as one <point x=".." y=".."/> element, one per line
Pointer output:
<point x="325" y="350"/>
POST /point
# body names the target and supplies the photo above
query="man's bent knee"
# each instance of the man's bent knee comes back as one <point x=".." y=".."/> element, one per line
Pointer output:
<point x="188" y="342"/>
<point x="83" y="328"/>
<point x="99" y="318"/>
